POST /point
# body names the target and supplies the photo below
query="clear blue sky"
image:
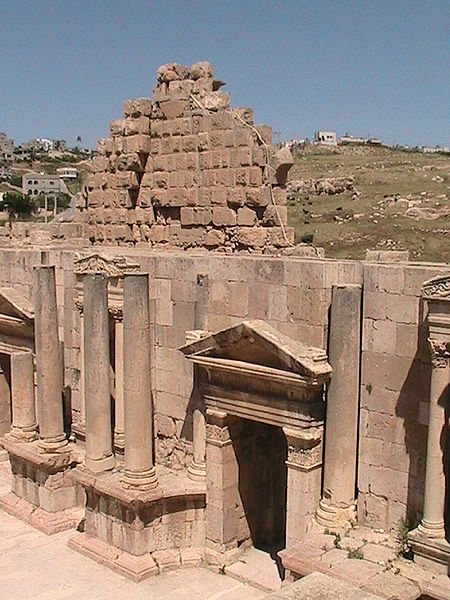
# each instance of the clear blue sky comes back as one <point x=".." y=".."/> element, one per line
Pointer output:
<point x="367" y="66"/>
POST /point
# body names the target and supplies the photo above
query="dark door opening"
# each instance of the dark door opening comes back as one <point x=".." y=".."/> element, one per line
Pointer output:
<point x="261" y="452"/>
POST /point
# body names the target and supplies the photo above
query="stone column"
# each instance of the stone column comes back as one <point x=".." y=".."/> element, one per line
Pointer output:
<point x="99" y="455"/>
<point x="139" y="468"/>
<point x="222" y="481"/>
<point x="119" y="425"/>
<point x="197" y="468"/>
<point x="432" y="524"/>
<point x="49" y="374"/>
<point x="304" y="461"/>
<point x="24" y="425"/>
<point x="338" y="505"/>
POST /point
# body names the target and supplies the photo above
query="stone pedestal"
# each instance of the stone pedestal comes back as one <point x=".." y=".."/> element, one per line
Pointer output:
<point x="139" y="468"/>
<point x="304" y="462"/>
<point x="42" y="493"/>
<point x="99" y="455"/>
<point x="49" y="377"/>
<point x="24" y="425"/>
<point x="142" y="533"/>
<point x="337" y="506"/>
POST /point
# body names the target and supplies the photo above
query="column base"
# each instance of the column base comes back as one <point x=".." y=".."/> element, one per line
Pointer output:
<point x="197" y="471"/>
<point x="24" y="434"/>
<point x="218" y="556"/>
<point x="99" y="465"/>
<point x="140" y="480"/>
<point x="334" y="516"/>
<point x="430" y="552"/>
<point x="52" y="445"/>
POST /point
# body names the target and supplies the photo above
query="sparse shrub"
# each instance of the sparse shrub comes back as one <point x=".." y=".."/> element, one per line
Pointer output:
<point x="356" y="553"/>
<point x="403" y="529"/>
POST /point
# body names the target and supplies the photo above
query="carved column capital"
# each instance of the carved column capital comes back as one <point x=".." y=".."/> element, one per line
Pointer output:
<point x="304" y="447"/>
<point x="116" y="312"/>
<point x="79" y="305"/>
<point x="217" y="432"/>
<point x="440" y="353"/>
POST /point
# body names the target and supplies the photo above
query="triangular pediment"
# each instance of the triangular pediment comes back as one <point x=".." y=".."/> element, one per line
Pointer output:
<point x="256" y="342"/>
<point x="14" y="304"/>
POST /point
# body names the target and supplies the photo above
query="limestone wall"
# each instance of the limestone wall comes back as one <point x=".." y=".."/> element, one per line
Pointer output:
<point x="293" y="294"/>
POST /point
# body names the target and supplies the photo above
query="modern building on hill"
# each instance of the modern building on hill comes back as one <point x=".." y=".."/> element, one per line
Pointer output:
<point x="43" y="183"/>
<point x="325" y="138"/>
<point x="67" y="173"/>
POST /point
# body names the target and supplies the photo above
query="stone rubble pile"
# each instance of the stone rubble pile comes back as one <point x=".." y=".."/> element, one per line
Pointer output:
<point x="183" y="169"/>
<point x="324" y="185"/>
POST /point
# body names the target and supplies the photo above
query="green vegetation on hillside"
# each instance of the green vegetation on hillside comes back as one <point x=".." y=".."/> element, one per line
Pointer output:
<point x="400" y="201"/>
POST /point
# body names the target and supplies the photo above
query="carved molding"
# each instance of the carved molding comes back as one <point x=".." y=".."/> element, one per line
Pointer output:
<point x="114" y="267"/>
<point x="304" y="447"/>
<point x="437" y="288"/>
<point x="440" y="353"/>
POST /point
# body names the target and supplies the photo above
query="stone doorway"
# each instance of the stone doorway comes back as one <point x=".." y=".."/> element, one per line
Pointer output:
<point x="261" y="452"/>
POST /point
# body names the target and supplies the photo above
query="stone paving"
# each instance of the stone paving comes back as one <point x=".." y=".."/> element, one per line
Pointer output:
<point x="40" y="567"/>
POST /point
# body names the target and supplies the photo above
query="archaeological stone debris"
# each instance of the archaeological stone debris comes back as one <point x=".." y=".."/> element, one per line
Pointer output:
<point x="181" y="385"/>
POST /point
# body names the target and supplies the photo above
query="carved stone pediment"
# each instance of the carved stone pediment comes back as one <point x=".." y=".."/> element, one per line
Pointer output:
<point x="112" y="267"/>
<point x="437" y="288"/>
<point x="257" y="343"/>
<point x="13" y="304"/>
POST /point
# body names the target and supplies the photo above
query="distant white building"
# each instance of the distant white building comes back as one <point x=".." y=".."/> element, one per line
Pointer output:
<point x="348" y="140"/>
<point x="67" y="173"/>
<point x="6" y="147"/>
<point x="325" y="138"/>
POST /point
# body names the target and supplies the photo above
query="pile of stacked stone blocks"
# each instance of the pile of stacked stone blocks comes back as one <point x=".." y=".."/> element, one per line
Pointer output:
<point x="184" y="169"/>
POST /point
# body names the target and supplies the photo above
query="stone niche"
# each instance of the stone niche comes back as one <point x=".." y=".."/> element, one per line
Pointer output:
<point x="264" y="410"/>
<point x="16" y="337"/>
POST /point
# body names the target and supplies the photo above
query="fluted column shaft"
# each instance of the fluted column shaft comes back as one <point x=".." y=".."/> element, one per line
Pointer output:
<point x="139" y="468"/>
<point x="99" y="454"/>
<point x="49" y="375"/>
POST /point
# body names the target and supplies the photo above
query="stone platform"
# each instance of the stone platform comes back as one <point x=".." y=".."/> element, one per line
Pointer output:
<point x="366" y="559"/>
<point x="140" y="534"/>
<point x="42" y="491"/>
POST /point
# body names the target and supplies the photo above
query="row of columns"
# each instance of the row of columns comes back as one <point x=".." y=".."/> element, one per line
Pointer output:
<point x="139" y="470"/>
<point x="49" y="374"/>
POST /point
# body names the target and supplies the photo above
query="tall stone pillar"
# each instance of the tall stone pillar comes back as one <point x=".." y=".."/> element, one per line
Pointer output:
<point x="49" y="376"/>
<point x="139" y="468"/>
<point x="432" y="524"/>
<point x="197" y="468"/>
<point x="24" y="425"/>
<point x="99" y="455"/>
<point x="337" y="506"/>
<point x="119" y="425"/>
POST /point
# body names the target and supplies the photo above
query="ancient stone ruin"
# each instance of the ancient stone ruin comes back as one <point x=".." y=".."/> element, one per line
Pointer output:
<point x="184" y="169"/>
<point x="187" y="406"/>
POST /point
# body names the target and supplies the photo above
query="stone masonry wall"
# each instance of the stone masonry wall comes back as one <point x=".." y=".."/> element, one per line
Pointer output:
<point x="184" y="169"/>
<point x="294" y="295"/>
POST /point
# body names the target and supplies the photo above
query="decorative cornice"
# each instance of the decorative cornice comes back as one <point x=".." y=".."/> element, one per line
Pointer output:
<point x="440" y="353"/>
<point x="437" y="288"/>
<point x="115" y="267"/>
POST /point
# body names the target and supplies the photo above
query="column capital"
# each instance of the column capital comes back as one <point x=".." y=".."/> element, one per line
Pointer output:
<point x="217" y="427"/>
<point x="116" y="312"/>
<point x="440" y="353"/>
<point x="304" y="447"/>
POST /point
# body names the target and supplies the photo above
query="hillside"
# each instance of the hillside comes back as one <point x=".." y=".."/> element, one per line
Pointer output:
<point x="394" y="199"/>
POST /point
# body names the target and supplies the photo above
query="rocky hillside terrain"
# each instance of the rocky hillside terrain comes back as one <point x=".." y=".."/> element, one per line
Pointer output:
<point x="352" y="199"/>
